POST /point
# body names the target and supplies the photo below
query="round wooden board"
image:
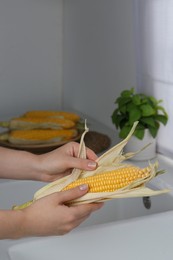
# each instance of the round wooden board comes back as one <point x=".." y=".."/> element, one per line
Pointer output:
<point x="98" y="142"/>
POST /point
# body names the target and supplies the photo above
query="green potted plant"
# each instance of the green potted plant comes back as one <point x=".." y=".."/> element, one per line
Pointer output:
<point x="132" y="107"/>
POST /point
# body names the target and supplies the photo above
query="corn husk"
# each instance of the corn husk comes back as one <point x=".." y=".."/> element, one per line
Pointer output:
<point x="110" y="160"/>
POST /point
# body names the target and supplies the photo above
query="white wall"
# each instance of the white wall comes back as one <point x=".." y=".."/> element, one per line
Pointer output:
<point x="99" y="56"/>
<point x="30" y="55"/>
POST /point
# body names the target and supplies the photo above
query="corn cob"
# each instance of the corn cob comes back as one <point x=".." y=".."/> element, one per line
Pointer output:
<point x="112" y="180"/>
<point x="46" y="113"/>
<point x="131" y="180"/>
<point x="38" y="136"/>
<point x="37" y="123"/>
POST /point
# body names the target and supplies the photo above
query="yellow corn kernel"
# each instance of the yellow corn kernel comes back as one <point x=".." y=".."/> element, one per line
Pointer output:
<point x="46" y="113"/>
<point x="39" y="136"/>
<point x="112" y="180"/>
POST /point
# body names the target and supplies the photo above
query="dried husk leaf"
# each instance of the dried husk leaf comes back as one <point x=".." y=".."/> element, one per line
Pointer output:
<point x="102" y="197"/>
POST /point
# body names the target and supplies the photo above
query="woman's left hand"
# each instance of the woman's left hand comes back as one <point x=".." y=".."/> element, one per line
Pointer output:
<point x="60" y="162"/>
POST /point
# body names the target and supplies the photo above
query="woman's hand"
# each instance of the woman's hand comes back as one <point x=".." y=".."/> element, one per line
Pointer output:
<point x="48" y="216"/>
<point x="45" y="167"/>
<point x="61" y="161"/>
<point x="51" y="215"/>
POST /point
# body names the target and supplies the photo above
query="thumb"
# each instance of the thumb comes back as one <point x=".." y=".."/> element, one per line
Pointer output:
<point x="74" y="193"/>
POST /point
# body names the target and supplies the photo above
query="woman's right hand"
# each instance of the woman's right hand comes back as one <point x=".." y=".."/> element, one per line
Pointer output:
<point x="51" y="216"/>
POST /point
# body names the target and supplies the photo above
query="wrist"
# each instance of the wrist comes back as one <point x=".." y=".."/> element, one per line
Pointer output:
<point x="31" y="167"/>
<point x="11" y="224"/>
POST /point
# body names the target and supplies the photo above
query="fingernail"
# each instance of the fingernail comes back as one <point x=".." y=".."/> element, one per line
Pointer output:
<point x="83" y="187"/>
<point x="92" y="164"/>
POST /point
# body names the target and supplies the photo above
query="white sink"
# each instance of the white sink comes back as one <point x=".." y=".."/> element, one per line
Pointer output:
<point x="17" y="192"/>
<point x="123" y="209"/>
<point x="142" y="238"/>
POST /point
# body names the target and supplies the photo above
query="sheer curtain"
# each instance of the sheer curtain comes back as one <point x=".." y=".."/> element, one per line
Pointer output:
<point x="154" y="49"/>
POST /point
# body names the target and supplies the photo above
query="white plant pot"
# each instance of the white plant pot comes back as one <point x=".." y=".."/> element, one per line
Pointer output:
<point x="135" y="144"/>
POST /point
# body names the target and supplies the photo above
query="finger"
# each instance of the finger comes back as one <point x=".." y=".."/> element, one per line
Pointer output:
<point x="81" y="212"/>
<point x="82" y="164"/>
<point x="88" y="208"/>
<point x="91" y="154"/>
<point x="77" y="192"/>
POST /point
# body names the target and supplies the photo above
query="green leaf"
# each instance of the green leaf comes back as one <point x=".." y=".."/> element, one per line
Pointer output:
<point x="123" y="122"/>
<point x="122" y="101"/>
<point x="148" y="121"/>
<point x="134" y="115"/>
<point x="163" y="110"/>
<point x="162" y="119"/>
<point x="140" y="126"/>
<point x="115" y="118"/>
<point x="123" y="109"/>
<point x="119" y="120"/>
<point x="153" y="100"/>
<point x="127" y="93"/>
<point x="147" y="110"/>
<point x="124" y="132"/>
<point x="144" y="99"/>
<point x="139" y="133"/>
<point x="136" y="99"/>
<point x="131" y="106"/>
<point x="153" y="131"/>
